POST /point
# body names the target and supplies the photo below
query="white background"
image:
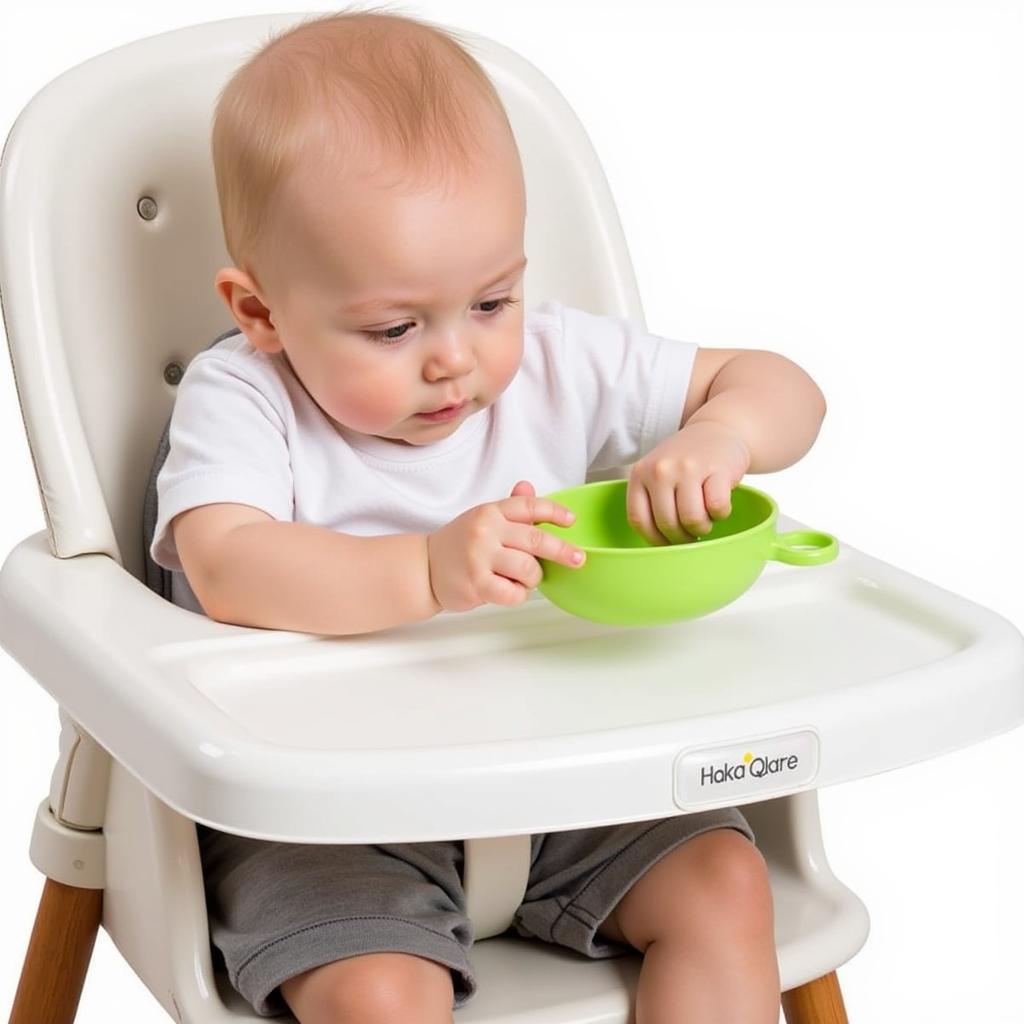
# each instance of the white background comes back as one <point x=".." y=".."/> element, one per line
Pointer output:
<point x="837" y="181"/>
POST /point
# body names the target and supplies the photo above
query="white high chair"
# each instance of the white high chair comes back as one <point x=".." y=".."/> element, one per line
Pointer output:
<point x="110" y="238"/>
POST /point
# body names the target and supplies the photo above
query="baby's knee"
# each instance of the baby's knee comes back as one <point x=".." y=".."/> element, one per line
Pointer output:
<point x="734" y="880"/>
<point x="373" y="988"/>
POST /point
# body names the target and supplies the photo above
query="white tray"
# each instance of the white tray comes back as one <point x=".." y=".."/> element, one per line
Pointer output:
<point x="510" y="720"/>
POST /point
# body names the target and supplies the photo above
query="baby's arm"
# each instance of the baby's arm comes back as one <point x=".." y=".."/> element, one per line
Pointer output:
<point x="772" y="406"/>
<point x="248" y="568"/>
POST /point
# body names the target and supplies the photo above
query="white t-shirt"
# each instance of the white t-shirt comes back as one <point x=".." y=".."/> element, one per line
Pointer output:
<point x="592" y="392"/>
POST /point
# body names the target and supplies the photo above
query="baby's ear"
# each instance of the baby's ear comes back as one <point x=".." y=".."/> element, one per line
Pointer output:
<point x="239" y="292"/>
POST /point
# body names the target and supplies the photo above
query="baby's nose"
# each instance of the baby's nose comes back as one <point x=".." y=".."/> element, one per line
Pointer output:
<point x="451" y="355"/>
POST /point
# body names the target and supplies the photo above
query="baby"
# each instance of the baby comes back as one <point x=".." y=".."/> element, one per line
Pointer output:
<point x="341" y="463"/>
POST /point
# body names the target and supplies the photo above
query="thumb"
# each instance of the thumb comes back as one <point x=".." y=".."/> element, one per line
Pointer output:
<point x="525" y="488"/>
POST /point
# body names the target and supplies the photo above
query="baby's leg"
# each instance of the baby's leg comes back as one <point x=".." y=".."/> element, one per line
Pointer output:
<point x="372" y="988"/>
<point x="702" y="916"/>
<point x="341" y="932"/>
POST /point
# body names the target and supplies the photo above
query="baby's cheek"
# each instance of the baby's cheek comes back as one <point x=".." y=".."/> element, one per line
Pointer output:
<point x="372" y="403"/>
<point x="505" y="361"/>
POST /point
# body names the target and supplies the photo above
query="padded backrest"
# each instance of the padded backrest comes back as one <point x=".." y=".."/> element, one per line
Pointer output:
<point x="110" y="238"/>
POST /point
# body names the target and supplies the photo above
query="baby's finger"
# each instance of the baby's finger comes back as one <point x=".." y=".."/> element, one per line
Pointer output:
<point x="718" y="496"/>
<point x="541" y="544"/>
<point x="500" y="590"/>
<point x="517" y="565"/>
<point x="638" y="512"/>
<point x="690" y="509"/>
<point x="523" y="508"/>
<point x="523" y="487"/>
<point x="664" y="508"/>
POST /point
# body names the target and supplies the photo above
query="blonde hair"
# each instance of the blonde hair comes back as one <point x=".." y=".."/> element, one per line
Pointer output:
<point x="334" y="86"/>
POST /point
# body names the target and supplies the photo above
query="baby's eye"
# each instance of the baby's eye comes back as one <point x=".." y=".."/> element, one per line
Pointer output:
<point x="497" y="304"/>
<point x="388" y="335"/>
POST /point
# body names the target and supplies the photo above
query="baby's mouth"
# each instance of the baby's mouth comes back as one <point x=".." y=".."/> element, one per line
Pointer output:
<point x="446" y="413"/>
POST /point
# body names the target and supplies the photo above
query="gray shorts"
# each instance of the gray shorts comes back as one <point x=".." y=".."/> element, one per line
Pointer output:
<point x="278" y="909"/>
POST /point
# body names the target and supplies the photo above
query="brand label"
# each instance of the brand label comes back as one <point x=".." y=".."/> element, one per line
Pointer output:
<point x="749" y="768"/>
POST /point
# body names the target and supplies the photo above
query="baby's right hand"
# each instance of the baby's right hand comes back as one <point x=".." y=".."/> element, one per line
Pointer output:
<point x="489" y="553"/>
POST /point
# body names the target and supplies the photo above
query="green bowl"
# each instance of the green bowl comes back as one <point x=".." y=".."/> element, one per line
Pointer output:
<point x="627" y="581"/>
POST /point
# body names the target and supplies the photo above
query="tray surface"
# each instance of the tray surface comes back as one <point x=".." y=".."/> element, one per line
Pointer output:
<point x="504" y="721"/>
<point x="535" y="671"/>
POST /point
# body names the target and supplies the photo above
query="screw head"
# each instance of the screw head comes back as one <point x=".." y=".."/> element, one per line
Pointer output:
<point x="147" y="207"/>
<point x="173" y="373"/>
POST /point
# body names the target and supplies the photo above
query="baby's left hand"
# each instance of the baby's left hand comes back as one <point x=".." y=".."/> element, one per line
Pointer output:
<point x="677" y="488"/>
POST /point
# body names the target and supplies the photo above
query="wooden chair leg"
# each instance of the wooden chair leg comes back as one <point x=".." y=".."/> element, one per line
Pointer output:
<point x="817" y="1002"/>
<point x="58" y="955"/>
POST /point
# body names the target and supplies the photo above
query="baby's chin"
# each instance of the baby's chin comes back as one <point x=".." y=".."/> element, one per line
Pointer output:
<point x="417" y="442"/>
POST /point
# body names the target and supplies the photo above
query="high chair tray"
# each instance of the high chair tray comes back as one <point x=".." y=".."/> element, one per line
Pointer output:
<point x="512" y="720"/>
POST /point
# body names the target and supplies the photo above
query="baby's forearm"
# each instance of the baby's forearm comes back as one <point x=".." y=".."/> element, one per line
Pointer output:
<point x="311" y="579"/>
<point x="773" y="405"/>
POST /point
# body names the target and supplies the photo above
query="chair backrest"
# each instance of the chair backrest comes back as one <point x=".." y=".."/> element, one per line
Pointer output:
<point x="110" y="238"/>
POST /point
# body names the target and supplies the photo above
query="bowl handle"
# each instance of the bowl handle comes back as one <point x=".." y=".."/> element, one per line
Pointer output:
<point x="804" y="547"/>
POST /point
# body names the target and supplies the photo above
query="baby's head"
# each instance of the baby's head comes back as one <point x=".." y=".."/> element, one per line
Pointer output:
<point x="373" y="204"/>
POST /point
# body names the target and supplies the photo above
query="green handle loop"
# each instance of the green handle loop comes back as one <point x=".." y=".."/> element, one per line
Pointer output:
<point x="804" y="547"/>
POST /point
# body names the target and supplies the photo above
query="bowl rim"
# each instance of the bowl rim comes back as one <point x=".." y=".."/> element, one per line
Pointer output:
<point x="700" y="543"/>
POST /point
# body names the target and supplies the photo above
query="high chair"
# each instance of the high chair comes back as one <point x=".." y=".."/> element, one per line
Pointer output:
<point x="110" y="239"/>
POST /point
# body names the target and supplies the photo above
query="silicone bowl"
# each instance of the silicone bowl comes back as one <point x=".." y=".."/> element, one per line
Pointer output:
<point x="626" y="581"/>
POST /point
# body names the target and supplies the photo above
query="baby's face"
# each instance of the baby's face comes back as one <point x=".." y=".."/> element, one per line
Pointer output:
<point x="390" y="306"/>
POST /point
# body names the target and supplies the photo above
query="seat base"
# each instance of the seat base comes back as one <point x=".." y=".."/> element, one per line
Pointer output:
<point x="154" y="867"/>
<point x="526" y="982"/>
<point x="523" y="982"/>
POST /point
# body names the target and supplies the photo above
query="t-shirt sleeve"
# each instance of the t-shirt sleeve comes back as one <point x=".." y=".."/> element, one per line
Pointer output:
<point x="228" y="443"/>
<point x="630" y="385"/>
